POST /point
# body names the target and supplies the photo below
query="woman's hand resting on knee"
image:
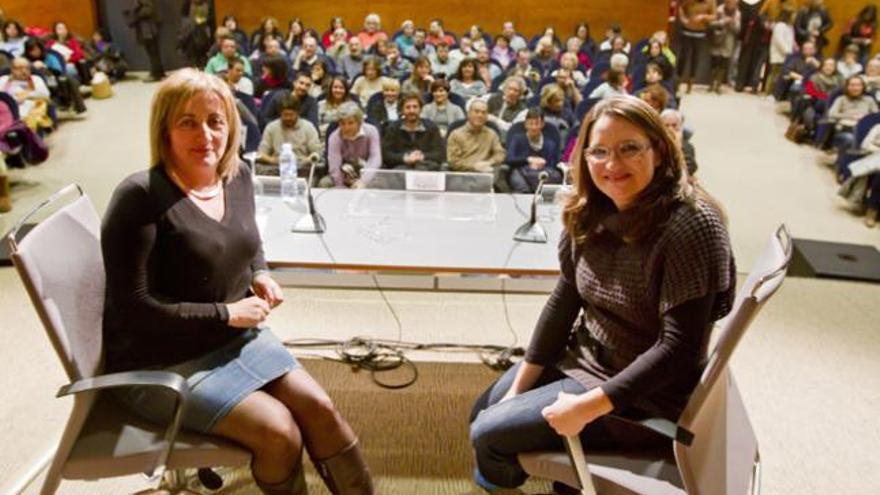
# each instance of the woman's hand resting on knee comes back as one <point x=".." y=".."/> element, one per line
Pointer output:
<point x="248" y="312"/>
<point x="571" y="413"/>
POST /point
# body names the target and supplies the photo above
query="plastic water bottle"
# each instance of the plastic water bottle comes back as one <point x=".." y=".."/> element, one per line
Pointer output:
<point x="287" y="170"/>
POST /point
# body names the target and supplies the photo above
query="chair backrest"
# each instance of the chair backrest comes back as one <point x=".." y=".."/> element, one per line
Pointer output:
<point x="722" y="457"/>
<point x="864" y="126"/>
<point x="61" y="266"/>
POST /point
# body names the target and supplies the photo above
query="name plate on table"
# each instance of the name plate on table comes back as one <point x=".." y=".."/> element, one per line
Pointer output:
<point x="425" y="181"/>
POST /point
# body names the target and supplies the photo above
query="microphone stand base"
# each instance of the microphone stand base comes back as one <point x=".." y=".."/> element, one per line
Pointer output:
<point x="310" y="223"/>
<point x="531" y="232"/>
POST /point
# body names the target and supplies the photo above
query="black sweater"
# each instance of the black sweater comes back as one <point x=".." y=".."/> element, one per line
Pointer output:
<point x="171" y="270"/>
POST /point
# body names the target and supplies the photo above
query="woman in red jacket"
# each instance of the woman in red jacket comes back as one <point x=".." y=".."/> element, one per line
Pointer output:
<point x="63" y="42"/>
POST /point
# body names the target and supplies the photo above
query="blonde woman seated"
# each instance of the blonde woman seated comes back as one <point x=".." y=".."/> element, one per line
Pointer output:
<point x="188" y="291"/>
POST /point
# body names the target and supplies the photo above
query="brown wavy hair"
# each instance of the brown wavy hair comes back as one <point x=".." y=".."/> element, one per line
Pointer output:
<point x="586" y="207"/>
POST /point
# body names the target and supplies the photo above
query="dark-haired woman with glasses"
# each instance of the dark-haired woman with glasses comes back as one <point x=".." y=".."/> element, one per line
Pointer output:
<point x="646" y="269"/>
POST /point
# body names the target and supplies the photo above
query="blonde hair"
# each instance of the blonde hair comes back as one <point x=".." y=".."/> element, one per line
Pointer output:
<point x="549" y="92"/>
<point x="389" y="83"/>
<point x="172" y="95"/>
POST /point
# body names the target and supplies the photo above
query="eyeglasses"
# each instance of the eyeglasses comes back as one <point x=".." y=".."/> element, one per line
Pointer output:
<point x="626" y="150"/>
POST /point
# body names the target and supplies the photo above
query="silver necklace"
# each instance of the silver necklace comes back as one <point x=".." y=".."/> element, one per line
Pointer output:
<point x="202" y="195"/>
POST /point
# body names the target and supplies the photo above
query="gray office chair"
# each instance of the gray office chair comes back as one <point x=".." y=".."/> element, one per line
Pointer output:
<point x="713" y="450"/>
<point x="61" y="266"/>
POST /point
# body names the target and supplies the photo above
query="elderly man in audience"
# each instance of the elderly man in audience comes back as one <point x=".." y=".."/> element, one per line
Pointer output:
<point x="354" y="151"/>
<point x="289" y="128"/>
<point x="372" y="31"/>
<point x="395" y="66"/>
<point x="383" y="110"/>
<point x="474" y="147"/>
<point x="350" y="64"/>
<point x="506" y="104"/>
<point x="228" y="54"/>
<point x="442" y="61"/>
<point x="30" y="92"/>
<point x="412" y="143"/>
<point x="674" y="122"/>
<point x="308" y="55"/>
<point x="308" y="106"/>
<point x="529" y="154"/>
<point x="420" y="46"/>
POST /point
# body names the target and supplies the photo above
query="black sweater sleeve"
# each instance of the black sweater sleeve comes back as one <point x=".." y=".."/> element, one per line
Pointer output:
<point x="128" y="237"/>
<point x="554" y="325"/>
<point x="679" y="349"/>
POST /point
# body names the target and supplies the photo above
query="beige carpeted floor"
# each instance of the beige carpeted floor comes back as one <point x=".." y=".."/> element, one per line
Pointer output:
<point x="805" y="368"/>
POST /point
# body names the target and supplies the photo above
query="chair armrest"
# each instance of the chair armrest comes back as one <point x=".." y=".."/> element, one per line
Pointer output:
<point x="165" y="379"/>
<point x="664" y="427"/>
<point x="579" y="463"/>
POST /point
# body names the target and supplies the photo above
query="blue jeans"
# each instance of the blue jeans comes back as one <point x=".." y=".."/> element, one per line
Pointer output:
<point x="501" y="431"/>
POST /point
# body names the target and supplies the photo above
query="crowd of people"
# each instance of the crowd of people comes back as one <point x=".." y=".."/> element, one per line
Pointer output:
<point x="44" y="74"/>
<point x="428" y="99"/>
<point x="833" y="99"/>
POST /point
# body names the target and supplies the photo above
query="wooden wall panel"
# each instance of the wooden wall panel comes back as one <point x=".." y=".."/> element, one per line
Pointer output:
<point x="79" y="15"/>
<point x="842" y="12"/>
<point x="639" y="17"/>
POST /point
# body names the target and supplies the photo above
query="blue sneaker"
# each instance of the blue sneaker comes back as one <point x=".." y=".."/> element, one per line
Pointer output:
<point x="484" y="483"/>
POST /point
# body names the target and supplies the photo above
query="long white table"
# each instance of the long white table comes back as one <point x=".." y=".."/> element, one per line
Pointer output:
<point x="414" y="232"/>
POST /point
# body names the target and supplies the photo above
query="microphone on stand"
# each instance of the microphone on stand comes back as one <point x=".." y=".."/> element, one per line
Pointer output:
<point x="312" y="222"/>
<point x="532" y="231"/>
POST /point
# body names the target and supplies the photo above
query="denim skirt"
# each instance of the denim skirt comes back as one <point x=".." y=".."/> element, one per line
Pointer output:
<point x="217" y="381"/>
